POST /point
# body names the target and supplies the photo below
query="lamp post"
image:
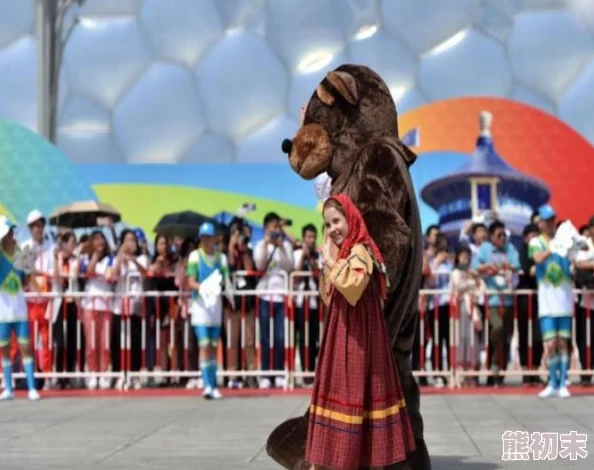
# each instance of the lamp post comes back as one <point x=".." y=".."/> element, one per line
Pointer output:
<point x="49" y="26"/>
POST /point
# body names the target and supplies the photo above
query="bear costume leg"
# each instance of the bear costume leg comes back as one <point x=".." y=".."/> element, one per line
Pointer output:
<point x="286" y="444"/>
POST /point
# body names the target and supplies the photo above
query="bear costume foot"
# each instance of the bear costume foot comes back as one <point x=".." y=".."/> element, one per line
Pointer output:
<point x="286" y="444"/>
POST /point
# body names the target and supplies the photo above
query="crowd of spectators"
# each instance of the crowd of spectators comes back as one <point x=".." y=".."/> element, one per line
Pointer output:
<point x="95" y="285"/>
<point x="482" y="262"/>
<point x="99" y="283"/>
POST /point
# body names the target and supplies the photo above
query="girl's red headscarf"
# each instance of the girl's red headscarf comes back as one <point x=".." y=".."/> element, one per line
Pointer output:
<point x="359" y="235"/>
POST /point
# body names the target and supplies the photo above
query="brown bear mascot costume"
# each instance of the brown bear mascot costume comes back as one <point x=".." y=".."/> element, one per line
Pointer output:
<point x="350" y="131"/>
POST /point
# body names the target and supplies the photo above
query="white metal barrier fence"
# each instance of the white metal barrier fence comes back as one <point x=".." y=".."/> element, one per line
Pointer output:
<point x="150" y="320"/>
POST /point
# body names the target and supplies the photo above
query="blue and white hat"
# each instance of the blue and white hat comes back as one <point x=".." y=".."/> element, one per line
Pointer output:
<point x="546" y="212"/>
<point x="5" y="226"/>
<point x="206" y="229"/>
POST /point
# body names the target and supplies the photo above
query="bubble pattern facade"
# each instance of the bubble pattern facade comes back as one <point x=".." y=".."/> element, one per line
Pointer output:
<point x="154" y="81"/>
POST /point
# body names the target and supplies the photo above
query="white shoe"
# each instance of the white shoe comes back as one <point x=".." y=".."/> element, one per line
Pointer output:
<point x="563" y="392"/>
<point x="136" y="384"/>
<point x="265" y="384"/>
<point x="33" y="395"/>
<point x="279" y="382"/>
<point x="439" y="382"/>
<point x="216" y="394"/>
<point x="121" y="384"/>
<point x="235" y="384"/>
<point x="207" y="393"/>
<point x="192" y="384"/>
<point x="158" y="380"/>
<point x="92" y="383"/>
<point x="105" y="383"/>
<point x="548" y="392"/>
<point x="6" y="395"/>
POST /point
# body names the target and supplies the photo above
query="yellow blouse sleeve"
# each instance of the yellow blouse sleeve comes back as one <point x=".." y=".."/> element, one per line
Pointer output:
<point x="350" y="276"/>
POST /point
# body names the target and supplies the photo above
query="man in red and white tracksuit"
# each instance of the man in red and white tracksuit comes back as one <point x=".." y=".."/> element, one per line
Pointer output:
<point x="43" y="247"/>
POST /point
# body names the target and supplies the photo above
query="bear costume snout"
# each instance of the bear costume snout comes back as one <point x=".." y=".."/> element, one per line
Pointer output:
<point x="310" y="151"/>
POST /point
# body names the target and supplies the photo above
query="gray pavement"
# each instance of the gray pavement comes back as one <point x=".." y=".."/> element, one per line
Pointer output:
<point x="463" y="432"/>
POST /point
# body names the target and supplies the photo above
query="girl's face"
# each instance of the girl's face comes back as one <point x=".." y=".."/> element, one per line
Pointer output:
<point x="130" y="245"/>
<point x="335" y="225"/>
<point x="464" y="259"/>
<point x="162" y="246"/>
<point x="70" y="246"/>
<point x="98" y="243"/>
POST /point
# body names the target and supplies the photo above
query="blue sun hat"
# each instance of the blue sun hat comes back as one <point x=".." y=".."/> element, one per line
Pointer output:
<point x="206" y="229"/>
<point x="546" y="212"/>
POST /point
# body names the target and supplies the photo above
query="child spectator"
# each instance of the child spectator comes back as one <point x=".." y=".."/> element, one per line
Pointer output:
<point x="466" y="288"/>
<point x="207" y="269"/>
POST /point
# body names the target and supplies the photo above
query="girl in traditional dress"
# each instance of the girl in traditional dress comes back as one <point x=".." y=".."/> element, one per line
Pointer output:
<point x="358" y="415"/>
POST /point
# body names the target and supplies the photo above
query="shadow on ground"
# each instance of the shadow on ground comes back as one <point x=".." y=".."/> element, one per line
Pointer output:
<point x="457" y="462"/>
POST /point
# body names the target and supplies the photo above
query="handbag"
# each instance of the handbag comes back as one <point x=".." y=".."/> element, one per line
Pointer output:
<point x="584" y="278"/>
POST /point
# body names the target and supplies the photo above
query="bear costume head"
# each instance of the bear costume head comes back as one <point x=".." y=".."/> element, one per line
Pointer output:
<point x="350" y="131"/>
<point x="351" y="107"/>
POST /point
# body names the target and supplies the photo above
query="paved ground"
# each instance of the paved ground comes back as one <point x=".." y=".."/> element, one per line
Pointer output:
<point x="121" y="432"/>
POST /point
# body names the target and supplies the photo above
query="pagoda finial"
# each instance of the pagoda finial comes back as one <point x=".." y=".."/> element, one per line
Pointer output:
<point x="485" y="121"/>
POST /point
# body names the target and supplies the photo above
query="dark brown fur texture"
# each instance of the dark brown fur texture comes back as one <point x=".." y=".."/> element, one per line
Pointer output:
<point x="354" y="137"/>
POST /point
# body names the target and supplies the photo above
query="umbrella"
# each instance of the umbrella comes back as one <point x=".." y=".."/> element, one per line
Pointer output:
<point x="184" y="224"/>
<point x="83" y="214"/>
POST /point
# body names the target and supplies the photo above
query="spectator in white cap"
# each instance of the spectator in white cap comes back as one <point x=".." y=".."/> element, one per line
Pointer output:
<point x="13" y="311"/>
<point x="43" y="247"/>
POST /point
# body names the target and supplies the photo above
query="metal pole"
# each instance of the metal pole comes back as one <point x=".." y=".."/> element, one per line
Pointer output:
<point x="41" y="28"/>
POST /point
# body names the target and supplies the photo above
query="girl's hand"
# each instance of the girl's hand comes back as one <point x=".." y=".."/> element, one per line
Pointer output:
<point x="329" y="252"/>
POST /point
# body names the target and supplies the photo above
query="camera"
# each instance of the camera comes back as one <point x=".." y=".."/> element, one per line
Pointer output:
<point x="313" y="253"/>
<point x="276" y="235"/>
<point x="244" y="240"/>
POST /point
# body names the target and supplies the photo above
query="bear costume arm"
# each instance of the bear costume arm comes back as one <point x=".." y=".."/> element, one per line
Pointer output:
<point x="378" y="188"/>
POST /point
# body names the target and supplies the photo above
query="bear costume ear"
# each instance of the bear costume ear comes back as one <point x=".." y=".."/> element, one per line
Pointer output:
<point x="324" y="95"/>
<point x="345" y="84"/>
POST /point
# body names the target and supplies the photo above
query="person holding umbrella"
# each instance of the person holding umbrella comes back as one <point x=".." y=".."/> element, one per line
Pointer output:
<point x="13" y="310"/>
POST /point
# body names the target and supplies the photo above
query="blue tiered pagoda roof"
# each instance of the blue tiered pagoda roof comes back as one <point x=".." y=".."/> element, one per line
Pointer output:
<point x="518" y="194"/>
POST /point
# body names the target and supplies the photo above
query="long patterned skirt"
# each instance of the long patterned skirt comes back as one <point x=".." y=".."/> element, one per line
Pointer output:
<point x="358" y="415"/>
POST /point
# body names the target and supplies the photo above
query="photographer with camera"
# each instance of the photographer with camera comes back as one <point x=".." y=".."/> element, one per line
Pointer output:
<point x="274" y="259"/>
<point x="308" y="259"/>
<point x="241" y="259"/>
